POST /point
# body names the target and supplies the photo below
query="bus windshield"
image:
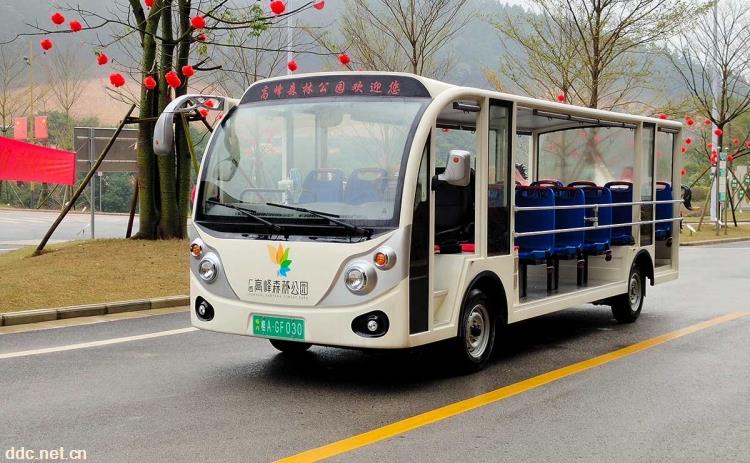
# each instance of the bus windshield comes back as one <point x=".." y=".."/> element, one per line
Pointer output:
<point x="340" y="157"/>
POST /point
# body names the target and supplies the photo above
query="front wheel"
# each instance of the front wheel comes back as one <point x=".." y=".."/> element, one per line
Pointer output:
<point x="290" y="347"/>
<point x="476" y="333"/>
<point x="627" y="307"/>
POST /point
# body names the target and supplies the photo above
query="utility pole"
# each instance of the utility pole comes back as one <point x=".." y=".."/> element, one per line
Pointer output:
<point x="290" y="24"/>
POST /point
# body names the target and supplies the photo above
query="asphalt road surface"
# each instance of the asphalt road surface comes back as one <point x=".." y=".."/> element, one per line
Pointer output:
<point x="186" y="395"/>
<point x="25" y="227"/>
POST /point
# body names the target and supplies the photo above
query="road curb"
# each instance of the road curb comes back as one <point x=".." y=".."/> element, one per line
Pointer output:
<point x="89" y="310"/>
<point x="721" y="241"/>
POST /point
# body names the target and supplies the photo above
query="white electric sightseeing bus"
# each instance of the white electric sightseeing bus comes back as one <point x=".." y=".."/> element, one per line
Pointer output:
<point x="386" y="210"/>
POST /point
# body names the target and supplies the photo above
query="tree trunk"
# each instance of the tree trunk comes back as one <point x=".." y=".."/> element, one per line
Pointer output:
<point x="147" y="174"/>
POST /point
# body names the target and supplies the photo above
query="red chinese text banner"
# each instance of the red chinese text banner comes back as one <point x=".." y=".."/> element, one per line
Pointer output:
<point x="24" y="162"/>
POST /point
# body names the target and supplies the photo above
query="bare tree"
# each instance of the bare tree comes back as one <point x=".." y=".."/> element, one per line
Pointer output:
<point x="713" y="59"/>
<point x="65" y="74"/>
<point x="400" y="35"/>
<point x="595" y="52"/>
<point x="11" y="70"/>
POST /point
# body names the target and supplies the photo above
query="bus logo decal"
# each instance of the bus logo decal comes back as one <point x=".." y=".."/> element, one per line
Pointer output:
<point x="280" y="257"/>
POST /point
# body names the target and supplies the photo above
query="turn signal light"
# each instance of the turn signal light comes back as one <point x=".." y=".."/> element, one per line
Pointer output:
<point x="381" y="259"/>
<point x="384" y="258"/>
<point x="196" y="249"/>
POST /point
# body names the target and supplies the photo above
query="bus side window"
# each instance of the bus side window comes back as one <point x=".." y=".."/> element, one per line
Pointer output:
<point x="498" y="183"/>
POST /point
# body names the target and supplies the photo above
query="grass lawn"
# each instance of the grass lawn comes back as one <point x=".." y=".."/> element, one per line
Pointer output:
<point x="708" y="232"/>
<point x="85" y="272"/>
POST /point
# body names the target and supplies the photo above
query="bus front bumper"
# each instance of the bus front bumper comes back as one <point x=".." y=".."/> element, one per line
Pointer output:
<point x="329" y="326"/>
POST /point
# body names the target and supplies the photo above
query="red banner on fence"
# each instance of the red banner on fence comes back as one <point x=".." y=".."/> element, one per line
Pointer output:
<point x="21" y="128"/>
<point x="40" y="128"/>
<point x="24" y="162"/>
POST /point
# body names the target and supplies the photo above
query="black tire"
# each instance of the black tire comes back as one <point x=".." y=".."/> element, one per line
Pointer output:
<point x="477" y="326"/>
<point x="627" y="307"/>
<point x="290" y="347"/>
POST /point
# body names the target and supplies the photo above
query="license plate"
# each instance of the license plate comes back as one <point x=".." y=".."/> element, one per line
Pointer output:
<point x="279" y="327"/>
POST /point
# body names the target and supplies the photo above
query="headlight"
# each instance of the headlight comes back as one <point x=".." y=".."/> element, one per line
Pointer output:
<point x="360" y="277"/>
<point x="208" y="268"/>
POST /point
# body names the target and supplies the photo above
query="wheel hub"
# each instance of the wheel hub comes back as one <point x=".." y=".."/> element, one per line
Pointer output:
<point x="477" y="331"/>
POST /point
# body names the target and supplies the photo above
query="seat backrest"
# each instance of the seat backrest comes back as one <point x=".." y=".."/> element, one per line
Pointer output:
<point x="622" y="192"/>
<point x="596" y="195"/>
<point x="454" y="205"/>
<point x="664" y="210"/>
<point x="529" y="221"/>
<point x="323" y="186"/>
<point x="569" y="218"/>
<point x="548" y="182"/>
<point x="365" y="185"/>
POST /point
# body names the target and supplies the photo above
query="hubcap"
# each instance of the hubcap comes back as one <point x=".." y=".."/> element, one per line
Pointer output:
<point x="635" y="291"/>
<point x="477" y="331"/>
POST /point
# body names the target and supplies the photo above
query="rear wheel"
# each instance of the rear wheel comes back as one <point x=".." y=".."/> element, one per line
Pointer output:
<point x="290" y="347"/>
<point x="627" y="307"/>
<point x="476" y="333"/>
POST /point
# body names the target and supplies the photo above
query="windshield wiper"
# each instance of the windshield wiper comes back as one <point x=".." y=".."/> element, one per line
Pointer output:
<point x="333" y="218"/>
<point x="247" y="212"/>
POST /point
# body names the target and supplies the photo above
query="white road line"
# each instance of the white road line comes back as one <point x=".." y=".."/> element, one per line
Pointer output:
<point x="86" y="345"/>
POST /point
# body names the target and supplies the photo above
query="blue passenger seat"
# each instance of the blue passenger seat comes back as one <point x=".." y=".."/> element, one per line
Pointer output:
<point x="622" y="192"/>
<point x="537" y="249"/>
<point x="596" y="240"/>
<point x="664" y="211"/>
<point x="323" y="186"/>
<point x="365" y="186"/>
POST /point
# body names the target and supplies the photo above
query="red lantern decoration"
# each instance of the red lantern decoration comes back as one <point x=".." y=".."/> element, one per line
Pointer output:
<point x="561" y="98"/>
<point x="198" y="22"/>
<point x="202" y="37"/>
<point x="173" y="80"/>
<point x="292" y="65"/>
<point x="57" y="18"/>
<point x="683" y="172"/>
<point x="209" y="104"/>
<point x="319" y="4"/>
<point x="278" y="7"/>
<point x="718" y="132"/>
<point x="747" y="144"/>
<point x="688" y="141"/>
<point x="662" y="116"/>
<point x="707" y="122"/>
<point x="709" y="145"/>
<point x="116" y="79"/>
<point x="188" y="71"/>
<point x="149" y="82"/>
<point x="730" y="158"/>
<point x="75" y="26"/>
<point x="149" y="3"/>
<point x="690" y="121"/>
<point x="683" y="149"/>
<point x="344" y="59"/>
<point x="102" y="59"/>
<point x="735" y="141"/>
<point x="204" y="112"/>
<point x="46" y="44"/>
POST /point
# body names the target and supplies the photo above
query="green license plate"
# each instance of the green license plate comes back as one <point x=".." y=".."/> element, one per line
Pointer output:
<point x="279" y="327"/>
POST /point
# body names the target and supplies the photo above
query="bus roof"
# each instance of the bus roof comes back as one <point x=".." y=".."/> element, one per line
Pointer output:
<point x="436" y="88"/>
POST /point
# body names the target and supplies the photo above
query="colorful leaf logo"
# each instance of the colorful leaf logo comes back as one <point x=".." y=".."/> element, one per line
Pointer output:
<point x="280" y="256"/>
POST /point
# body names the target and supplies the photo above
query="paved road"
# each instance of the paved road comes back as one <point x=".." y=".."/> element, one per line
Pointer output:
<point x="199" y="396"/>
<point x="24" y="227"/>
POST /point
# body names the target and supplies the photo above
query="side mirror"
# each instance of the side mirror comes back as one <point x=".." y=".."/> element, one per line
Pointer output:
<point x="458" y="170"/>
<point x="164" y="129"/>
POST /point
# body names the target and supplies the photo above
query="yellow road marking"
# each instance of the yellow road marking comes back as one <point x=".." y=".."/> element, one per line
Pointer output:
<point x="457" y="408"/>
<point x="104" y="342"/>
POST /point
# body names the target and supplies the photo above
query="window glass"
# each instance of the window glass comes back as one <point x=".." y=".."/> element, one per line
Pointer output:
<point x="596" y="154"/>
<point x="647" y="180"/>
<point x="664" y="154"/>
<point x="498" y="186"/>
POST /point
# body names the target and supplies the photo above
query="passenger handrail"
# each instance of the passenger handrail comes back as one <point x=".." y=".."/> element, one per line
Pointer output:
<point x="591" y="206"/>
<point x="595" y="227"/>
